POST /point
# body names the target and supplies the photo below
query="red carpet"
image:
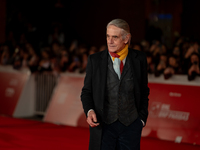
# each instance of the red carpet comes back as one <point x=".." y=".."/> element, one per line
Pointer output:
<point x="22" y="134"/>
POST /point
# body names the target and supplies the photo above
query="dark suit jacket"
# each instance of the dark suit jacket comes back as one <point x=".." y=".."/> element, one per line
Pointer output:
<point x="94" y="89"/>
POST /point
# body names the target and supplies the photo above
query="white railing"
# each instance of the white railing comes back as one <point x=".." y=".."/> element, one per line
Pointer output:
<point x="44" y="86"/>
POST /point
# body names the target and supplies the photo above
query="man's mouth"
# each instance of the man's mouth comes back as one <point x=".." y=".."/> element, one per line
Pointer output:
<point x="111" y="46"/>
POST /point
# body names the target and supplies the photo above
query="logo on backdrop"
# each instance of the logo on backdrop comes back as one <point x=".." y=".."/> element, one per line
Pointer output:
<point x="161" y="110"/>
<point x="174" y="94"/>
<point x="9" y="92"/>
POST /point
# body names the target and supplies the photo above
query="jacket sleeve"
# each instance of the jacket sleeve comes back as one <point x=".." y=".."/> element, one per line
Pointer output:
<point x="86" y="94"/>
<point x="144" y="101"/>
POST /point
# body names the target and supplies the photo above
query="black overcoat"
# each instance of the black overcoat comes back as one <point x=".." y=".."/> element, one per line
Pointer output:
<point x="94" y="89"/>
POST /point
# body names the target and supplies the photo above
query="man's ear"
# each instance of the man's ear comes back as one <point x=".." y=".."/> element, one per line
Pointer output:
<point x="128" y="36"/>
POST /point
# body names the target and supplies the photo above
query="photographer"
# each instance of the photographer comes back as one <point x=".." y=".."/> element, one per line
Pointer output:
<point x="173" y="67"/>
<point x="193" y="70"/>
<point x="161" y="65"/>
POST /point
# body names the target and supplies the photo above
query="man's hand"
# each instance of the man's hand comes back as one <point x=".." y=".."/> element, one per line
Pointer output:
<point x="92" y="119"/>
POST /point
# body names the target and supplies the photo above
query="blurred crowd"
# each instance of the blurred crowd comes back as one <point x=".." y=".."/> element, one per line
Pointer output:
<point x="48" y="55"/>
<point x="54" y="56"/>
<point x="183" y="58"/>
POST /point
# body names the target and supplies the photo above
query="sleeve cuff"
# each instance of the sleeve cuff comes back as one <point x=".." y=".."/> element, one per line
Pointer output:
<point x="141" y="120"/>
<point x="89" y="111"/>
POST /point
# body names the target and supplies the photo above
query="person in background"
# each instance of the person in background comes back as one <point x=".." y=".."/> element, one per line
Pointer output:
<point x="64" y="60"/>
<point x="75" y="63"/>
<point x="5" y="55"/>
<point x="16" y="59"/>
<point x="45" y="64"/>
<point x="173" y="67"/>
<point x="102" y="47"/>
<point x="137" y="46"/>
<point x="176" y="51"/>
<point x="150" y="63"/>
<point x="25" y="58"/>
<point x="33" y="57"/>
<point x="157" y="49"/>
<point x="161" y="65"/>
<point x="56" y="56"/>
<point x="194" y="68"/>
<point x="193" y="47"/>
<point x="145" y="45"/>
<point x="83" y="55"/>
<point x="92" y="50"/>
<point x="115" y="92"/>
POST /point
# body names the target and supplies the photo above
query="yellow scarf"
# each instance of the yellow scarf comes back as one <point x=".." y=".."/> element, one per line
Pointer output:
<point x="123" y="53"/>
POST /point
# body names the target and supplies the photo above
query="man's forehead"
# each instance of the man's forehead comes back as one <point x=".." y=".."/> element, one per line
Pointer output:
<point x="113" y="30"/>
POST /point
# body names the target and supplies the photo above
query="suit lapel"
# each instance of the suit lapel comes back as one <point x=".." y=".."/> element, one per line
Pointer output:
<point x="126" y="66"/>
<point x="103" y="65"/>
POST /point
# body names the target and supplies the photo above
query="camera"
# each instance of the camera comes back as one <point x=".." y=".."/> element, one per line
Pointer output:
<point x="195" y="63"/>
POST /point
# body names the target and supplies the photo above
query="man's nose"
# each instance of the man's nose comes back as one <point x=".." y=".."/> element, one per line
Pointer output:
<point x="110" y="40"/>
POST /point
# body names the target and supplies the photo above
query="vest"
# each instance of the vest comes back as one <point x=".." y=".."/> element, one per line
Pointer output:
<point x="120" y="100"/>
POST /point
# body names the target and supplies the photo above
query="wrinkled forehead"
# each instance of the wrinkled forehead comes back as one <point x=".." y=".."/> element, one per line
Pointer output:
<point x="113" y="30"/>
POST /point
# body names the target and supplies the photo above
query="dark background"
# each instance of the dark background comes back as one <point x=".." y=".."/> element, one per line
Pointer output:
<point x="86" y="20"/>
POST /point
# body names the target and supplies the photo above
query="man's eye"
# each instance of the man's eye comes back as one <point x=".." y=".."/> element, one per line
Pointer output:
<point x="115" y="37"/>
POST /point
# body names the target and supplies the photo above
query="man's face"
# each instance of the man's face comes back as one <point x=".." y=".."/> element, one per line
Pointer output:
<point x="114" y="39"/>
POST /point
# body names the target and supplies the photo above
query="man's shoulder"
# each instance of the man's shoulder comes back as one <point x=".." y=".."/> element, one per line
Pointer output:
<point x="98" y="55"/>
<point x="137" y="53"/>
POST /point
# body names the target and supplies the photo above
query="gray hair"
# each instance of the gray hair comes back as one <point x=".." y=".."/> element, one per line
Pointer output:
<point x="122" y="24"/>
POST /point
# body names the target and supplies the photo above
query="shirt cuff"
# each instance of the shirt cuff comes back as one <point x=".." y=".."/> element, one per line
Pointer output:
<point x="89" y="111"/>
<point x="141" y="120"/>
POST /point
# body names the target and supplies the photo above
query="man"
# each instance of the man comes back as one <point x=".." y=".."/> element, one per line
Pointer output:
<point x="115" y="92"/>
